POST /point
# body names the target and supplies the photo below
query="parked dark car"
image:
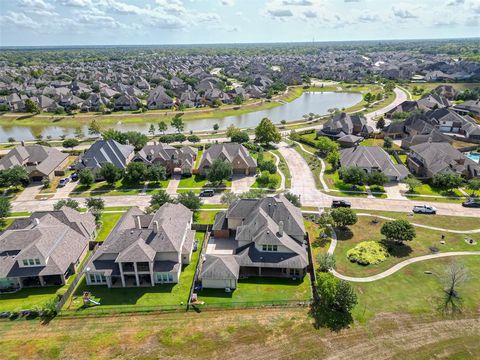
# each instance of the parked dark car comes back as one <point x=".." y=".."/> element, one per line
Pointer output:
<point x="207" y="193"/>
<point x="471" y="204"/>
<point x="74" y="177"/>
<point x="341" y="203"/>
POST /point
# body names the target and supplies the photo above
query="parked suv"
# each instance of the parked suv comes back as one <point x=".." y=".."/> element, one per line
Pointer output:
<point x="207" y="193"/>
<point x="63" y="182"/>
<point x="341" y="203"/>
<point x="424" y="209"/>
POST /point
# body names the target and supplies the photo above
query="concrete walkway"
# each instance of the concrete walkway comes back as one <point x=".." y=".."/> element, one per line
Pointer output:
<point x="29" y="192"/>
<point x="173" y="184"/>
<point x="394" y="268"/>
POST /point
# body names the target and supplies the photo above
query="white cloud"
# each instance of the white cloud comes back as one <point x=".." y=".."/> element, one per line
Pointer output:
<point x="75" y="3"/>
<point x="227" y="2"/>
<point x="18" y="19"/>
<point x="404" y="11"/>
<point x="310" y="14"/>
<point x="368" y="18"/>
<point x="298" y="2"/>
<point x="280" y="12"/>
<point x="35" y="4"/>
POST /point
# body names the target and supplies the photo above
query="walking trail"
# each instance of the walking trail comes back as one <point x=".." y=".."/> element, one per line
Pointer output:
<point x="404" y="263"/>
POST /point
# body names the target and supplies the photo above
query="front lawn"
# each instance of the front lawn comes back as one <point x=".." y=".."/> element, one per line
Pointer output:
<point x="139" y="299"/>
<point x="26" y="299"/>
<point x="366" y="230"/>
<point x="332" y="178"/>
<point x="377" y="142"/>
<point x="256" y="290"/>
<point x="198" y="181"/>
<point x="121" y="187"/>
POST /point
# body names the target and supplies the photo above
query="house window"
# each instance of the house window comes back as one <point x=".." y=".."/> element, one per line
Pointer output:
<point x="269" y="248"/>
<point x="165" y="277"/>
<point x="25" y="262"/>
<point x="97" y="278"/>
<point x="31" y="262"/>
<point x="37" y="261"/>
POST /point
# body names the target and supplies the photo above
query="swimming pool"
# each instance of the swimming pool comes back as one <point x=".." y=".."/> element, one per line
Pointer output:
<point x="474" y="156"/>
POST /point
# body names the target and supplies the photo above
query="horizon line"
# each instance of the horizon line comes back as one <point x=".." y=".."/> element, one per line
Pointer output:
<point x="235" y="43"/>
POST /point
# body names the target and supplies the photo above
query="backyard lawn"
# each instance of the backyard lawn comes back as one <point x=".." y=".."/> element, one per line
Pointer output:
<point x="258" y="290"/>
<point x="366" y="230"/>
<point x="138" y="299"/>
<point x="26" y="299"/>
<point x="109" y="220"/>
<point x="206" y="217"/>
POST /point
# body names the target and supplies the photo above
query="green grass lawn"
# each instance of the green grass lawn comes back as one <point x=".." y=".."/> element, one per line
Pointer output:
<point x="365" y="230"/>
<point x="334" y="182"/>
<point x="147" y="298"/>
<point x="119" y="188"/>
<point x="319" y="245"/>
<point x="109" y="220"/>
<point x="377" y="142"/>
<point x="206" y="217"/>
<point x="28" y="298"/>
<point x="258" y="289"/>
<point x="440" y="221"/>
<point x="284" y="169"/>
<point x="197" y="181"/>
<point x="411" y="290"/>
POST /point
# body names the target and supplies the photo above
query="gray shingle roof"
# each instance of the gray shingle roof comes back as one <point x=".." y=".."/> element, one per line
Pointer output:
<point x="106" y="151"/>
<point x="43" y="159"/>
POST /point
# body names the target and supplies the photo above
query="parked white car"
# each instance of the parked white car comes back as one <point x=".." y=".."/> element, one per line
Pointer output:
<point x="424" y="209"/>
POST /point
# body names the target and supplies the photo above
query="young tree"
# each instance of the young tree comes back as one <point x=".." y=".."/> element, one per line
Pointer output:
<point x="398" y="230"/>
<point x="229" y="198"/>
<point x="345" y="297"/>
<point x="219" y="171"/>
<point x="387" y="143"/>
<point x="94" y="128"/>
<point x="267" y="166"/>
<point x="343" y="217"/>
<point x="294" y="199"/>
<point x="412" y="183"/>
<point x="336" y="295"/>
<point x="95" y="206"/>
<point x="86" y="177"/>
<point x="333" y="158"/>
<point x="151" y="130"/>
<point x="325" y="145"/>
<point x="31" y="106"/>
<point x="240" y="137"/>
<point x="474" y="185"/>
<point x="377" y="178"/>
<point x="156" y="172"/>
<point x="177" y="123"/>
<point x="190" y="200"/>
<point x="15" y="176"/>
<point x="352" y="175"/>
<point x="266" y="132"/>
<point x="326" y="262"/>
<point x="159" y="199"/>
<point x="5" y="209"/>
<point x="267" y="180"/>
<point x="73" y="204"/>
<point x="454" y="276"/>
<point x="380" y="123"/>
<point x="111" y="173"/>
<point x="179" y="138"/>
<point x="136" y="172"/>
<point x="447" y="180"/>
<point x="162" y="127"/>
<point x="232" y="130"/>
<point x="215" y="127"/>
<point x="193" y="139"/>
<point x="70" y="143"/>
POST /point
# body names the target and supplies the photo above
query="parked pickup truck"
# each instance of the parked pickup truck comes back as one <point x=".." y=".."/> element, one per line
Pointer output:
<point x="341" y="203"/>
<point x="424" y="209"/>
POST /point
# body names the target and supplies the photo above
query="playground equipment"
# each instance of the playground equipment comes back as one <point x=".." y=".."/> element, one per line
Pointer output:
<point x="87" y="298"/>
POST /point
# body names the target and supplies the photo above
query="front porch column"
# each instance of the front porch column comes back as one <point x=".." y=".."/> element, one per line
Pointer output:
<point x="42" y="282"/>
<point x="121" y="274"/>
<point x="109" y="281"/>
<point x="136" y="274"/>
<point x="150" y="266"/>
<point x="259" y="271"/>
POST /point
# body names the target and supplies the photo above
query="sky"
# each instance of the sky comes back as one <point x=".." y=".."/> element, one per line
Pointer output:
<point x="135" y="22"/>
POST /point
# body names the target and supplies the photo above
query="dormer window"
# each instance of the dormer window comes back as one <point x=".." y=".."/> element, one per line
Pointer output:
<point x="31" y="262"/>
<point x="271" y="248"/>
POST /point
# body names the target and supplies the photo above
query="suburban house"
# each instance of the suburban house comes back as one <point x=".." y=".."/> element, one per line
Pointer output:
<point x="373" y="159"/>
<point x="41" y="162"/>
<point x="103" y="152"/>
<point x="255" y="237"/>
<point x="44" y="249"/>
<point x="469" y="107"/>
<point x="175" y="160"/>
<point x="427" y="159"/>
<point x="144" y="249"/>
<point x="235" y="154"/>
<point x="406" y="106"/>
<point x="345" y="124"/>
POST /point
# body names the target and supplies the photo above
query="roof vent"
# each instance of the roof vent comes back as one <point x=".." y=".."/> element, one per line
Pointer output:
<point x="280" y="228"/>
<point x="155" y="227"/>
<point x="36" y="221"/>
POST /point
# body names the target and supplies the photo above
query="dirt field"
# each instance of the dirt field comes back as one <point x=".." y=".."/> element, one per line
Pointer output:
<point x="249" y="334"/>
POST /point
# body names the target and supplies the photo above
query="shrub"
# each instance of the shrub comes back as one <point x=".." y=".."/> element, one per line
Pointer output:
<point x="325" y="262"/>
<point x="368" y="252"/>
<point x="267" y="180"/>
<point x="267" y="166"/>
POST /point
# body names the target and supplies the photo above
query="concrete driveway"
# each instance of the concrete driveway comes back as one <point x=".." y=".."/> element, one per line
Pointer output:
<point x="30" y="192"/>
<point x="242" y="183"/>
<point x="64" y="192"/>
<point x="173" y="184"/>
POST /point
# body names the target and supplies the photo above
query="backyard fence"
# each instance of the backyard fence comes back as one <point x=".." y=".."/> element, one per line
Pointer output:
<point x="251" y="305"/>
<point x="206" y="238"/>
<point x="311" y="270"/>
<point x="75" y="282"/>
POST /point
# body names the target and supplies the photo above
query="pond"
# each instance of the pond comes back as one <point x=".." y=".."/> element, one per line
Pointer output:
<point x="310" y="102"/>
